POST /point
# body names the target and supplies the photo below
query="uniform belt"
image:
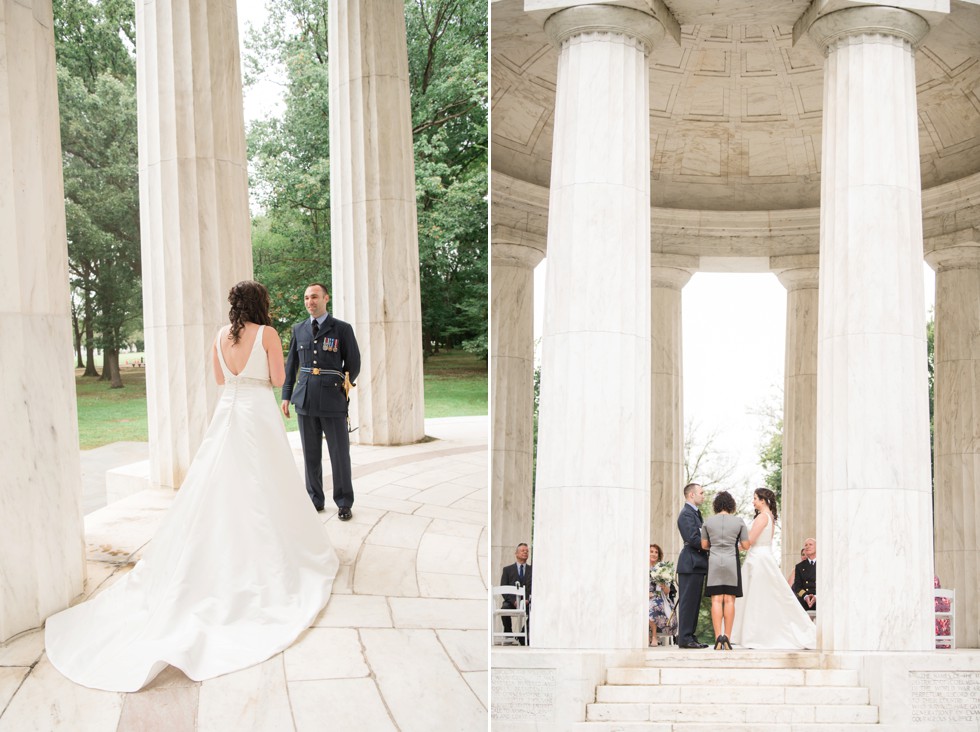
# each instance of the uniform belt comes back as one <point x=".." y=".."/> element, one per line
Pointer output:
<point x="317" y="372"/>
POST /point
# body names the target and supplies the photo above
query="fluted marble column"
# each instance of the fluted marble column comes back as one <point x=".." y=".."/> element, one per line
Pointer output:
<point x="41" y="546"/>
<point x="373" y="229"/>
<point x="591" y="516"/>
<point x="799" y="275"/>
<point x="511" y="395"/>
<point x="194" y="217"/>
<point x="668" y="275"/>
<point x="873" y="487"/>
<point x="957" y="425"/>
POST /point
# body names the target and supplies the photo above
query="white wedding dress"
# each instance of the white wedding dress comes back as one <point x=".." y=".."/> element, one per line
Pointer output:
<point x="768" y="615"/>
<point x="239" y="567"/>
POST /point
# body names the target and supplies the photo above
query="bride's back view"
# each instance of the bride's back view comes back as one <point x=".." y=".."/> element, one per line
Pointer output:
<point x="241" y="564"/>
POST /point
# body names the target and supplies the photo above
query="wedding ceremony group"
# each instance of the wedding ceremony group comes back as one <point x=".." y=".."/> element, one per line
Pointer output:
<point x="245" y="324"/>
<point x="735" y="246"/>
<point x="339" y="335"/>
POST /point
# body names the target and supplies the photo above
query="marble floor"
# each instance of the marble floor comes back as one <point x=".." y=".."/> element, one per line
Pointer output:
<point x="402" y="644"/>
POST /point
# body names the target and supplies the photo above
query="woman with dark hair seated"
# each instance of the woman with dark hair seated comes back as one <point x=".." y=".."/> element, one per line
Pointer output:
<point x="662" y="596"/>
<point x="723" y="534"/>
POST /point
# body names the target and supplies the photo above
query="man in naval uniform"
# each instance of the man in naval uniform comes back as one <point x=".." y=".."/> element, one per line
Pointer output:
<point x="321" y="351"/>
<point x="805" y="576"/>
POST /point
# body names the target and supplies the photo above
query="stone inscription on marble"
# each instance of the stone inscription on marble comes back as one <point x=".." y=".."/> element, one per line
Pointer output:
<point x="522" y="694"/>
<point x="945" y="696"/>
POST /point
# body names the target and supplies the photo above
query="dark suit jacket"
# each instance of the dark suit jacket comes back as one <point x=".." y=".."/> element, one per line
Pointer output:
<point x="693" y="559"/>
<point x="335" y="350"/>
<point x="509" y="577"/>
<point x="805" y="582"/>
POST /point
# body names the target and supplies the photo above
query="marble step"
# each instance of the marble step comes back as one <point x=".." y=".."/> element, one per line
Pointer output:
<point x="741" y="659"/>
<point x="715" y="676"/>
<point x="752" y="714"/>
<point x="676" y="694"/>
<point x="729" y="727"/>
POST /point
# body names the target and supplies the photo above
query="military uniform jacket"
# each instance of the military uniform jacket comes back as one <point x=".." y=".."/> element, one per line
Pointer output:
<point x="332" y="353"/>
<point x="805" y="581"/>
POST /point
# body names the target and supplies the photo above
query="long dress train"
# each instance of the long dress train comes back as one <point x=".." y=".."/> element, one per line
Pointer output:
<point x="240" y="566"/>
<point x="768" y="615"/>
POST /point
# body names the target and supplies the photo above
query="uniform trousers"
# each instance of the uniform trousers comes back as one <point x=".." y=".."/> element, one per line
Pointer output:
<point x="312" y="429"/>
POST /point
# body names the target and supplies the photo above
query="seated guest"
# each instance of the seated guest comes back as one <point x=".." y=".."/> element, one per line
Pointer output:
<point x="942" y="624"/>
<point x="663" y="619"/>
<point x="518" y="574"/>
<point x="805" y="577"/>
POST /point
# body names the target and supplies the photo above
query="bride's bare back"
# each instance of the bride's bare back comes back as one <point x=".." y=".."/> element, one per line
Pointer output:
<point x="236" y="355"/>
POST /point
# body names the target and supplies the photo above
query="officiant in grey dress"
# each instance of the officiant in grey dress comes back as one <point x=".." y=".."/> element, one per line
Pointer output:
<point x="723" y="534"/>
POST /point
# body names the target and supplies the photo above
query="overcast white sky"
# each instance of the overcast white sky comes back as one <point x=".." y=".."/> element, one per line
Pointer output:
<point x="734" y="337"/>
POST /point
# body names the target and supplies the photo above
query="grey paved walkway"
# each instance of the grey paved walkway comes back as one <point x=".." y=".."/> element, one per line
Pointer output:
<point x="402" y="644"/>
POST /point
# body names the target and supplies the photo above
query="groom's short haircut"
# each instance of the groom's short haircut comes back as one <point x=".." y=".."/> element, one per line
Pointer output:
<point x="320" y="285"/>
<point x="521" y="544"/>
<point x="689" y="489"/>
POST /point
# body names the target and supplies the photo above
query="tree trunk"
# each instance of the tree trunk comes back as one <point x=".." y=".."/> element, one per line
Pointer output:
<point x="89" y="338"/>
<point x="110" y="366"/>
<point x="77" y="330"/>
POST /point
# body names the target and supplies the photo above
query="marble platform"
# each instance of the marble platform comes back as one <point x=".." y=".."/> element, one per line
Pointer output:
<point x="402" y="644"/>
<point x="677" y="690"/>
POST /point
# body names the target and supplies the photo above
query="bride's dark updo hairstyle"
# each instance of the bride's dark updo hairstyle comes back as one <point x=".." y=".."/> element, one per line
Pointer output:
<point x="769" y="497"/>
<point x="249" y="304"/>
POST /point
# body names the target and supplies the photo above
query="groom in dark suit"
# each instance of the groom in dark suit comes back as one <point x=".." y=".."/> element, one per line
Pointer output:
<point x="324" y="354"/>
<point x="692" y="567"/>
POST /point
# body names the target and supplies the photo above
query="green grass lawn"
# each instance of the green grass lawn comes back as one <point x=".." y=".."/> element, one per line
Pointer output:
<point x="455" y="386"/>
<point x="111" y="415"/>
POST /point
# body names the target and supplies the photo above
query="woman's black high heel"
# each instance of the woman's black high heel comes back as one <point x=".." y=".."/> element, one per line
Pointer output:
<point x="726" y="644"/>
<point x="719" y="643"/>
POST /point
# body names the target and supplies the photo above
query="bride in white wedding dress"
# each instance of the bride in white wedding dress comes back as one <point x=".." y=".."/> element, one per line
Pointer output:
<point x="241" y="564"/>
<point x="768" y="615"/>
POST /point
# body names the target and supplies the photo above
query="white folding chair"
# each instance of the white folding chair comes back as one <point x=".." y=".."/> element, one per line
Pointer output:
<point x="517" y="614"/>
<point x="946" y="641"/>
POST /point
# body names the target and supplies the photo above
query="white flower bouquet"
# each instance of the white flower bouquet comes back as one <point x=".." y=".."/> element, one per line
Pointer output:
<point x="662" y="573"/>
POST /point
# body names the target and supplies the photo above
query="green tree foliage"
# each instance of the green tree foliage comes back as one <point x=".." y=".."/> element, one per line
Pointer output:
<point x="771" y="447"/>
<point x="289" y="154"/>
<point x="447" y="59"/>
<point x="94" y="45"/>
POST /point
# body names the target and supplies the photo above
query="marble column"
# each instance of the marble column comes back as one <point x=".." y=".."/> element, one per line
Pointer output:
<point x="42" y="551"/>
<point x="592" y="498"/>
<point x="194" y="218"/>
<point x="511" y="395"/>
<point x="873" y="487"/>
<point x="799" y="275"/>
<point x="373" y="229"/>
<point x="668" y="275"/>
<point x="957" y="429"/>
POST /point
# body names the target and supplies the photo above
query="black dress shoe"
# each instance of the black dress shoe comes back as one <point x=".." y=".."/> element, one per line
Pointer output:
<point x="344" y="514"/>
<point x="695" y="644"/>
<point x="319" y="509"/>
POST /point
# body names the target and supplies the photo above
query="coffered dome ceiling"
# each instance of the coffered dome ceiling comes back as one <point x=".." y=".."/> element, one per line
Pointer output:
<point x="735" y="111"/>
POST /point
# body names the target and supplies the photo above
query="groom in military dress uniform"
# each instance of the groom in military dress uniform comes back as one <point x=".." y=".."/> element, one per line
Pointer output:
<point x="321" y="351"/>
